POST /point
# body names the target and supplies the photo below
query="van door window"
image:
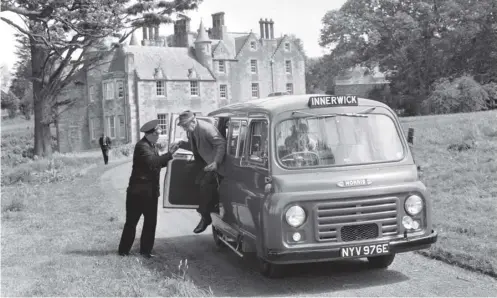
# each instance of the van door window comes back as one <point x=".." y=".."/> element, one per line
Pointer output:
<point x="258" y="150"/>
<point x="236" y="140"/>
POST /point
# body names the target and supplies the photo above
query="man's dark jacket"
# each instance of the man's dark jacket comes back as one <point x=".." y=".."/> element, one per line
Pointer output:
<point x="147" y="164"/>
<point x="101" y="142"/>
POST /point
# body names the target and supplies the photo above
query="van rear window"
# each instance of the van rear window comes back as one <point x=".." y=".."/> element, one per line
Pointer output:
<point x="337" y="141"/>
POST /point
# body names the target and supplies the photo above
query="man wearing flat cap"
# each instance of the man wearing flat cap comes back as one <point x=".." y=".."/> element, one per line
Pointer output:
<point x="208" y="147"/>
<point x="143" y="190"/>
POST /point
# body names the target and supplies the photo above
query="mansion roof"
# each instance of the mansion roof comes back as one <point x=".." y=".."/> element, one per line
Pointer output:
<point x="175" y="63"/>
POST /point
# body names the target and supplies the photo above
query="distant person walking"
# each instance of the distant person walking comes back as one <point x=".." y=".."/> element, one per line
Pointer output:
<point x="105" y="143"/>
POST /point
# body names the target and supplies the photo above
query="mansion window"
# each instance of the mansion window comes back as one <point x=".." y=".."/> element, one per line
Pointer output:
<point x="121" y="128"/>
<point x="160" y="87"/>
<point x="111" y="127"/>
<point x="163" y="120"/>
<point x="194" y="90"/>
<point x="108" y="90"/>
<point x="288" y="66"/>
<point x="287" y="46"/>
<point x="91" y="93"/>
<point x="255" y="90"/>
<point x="120" y="89"/>
<point x="253" y="66"/>
<point x="253" y="45"/>
<point x="221" y="66"/>
<point x="93" y="128"/>
<point x="223" y="91"/>
<point x="289" y="88"/>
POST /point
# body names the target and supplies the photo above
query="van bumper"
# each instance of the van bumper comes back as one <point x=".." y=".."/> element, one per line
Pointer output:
<point x="323" y="255"/>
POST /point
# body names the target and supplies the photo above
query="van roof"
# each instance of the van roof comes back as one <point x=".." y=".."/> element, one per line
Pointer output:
<point x="277" y="104"/>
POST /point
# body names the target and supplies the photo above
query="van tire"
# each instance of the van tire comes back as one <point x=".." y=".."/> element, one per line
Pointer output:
<point x="381" y="262"/>
<point x="270" y="270"/>
<point x="217" y="241"/>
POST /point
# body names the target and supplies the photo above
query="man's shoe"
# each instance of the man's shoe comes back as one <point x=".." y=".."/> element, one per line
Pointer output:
<point x="147" y="255"/>
<point x="202" y="225"/>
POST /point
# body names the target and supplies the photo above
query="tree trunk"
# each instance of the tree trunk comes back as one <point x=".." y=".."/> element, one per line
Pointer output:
<point x="43" y="136"/>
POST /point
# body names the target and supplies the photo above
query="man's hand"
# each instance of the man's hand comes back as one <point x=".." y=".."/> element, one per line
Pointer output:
<point x="173" y="148"/>
<point x="211" y="167"/>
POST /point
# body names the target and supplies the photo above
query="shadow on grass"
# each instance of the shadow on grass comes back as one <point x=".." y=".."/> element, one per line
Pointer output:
<point x="94" y="252"/>
<point x="229" y="275"/>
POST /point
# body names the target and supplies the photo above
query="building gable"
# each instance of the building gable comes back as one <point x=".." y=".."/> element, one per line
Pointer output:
<point x="221" y="51"/>
<point x="246" y="43"/>
<point x="294" y="48"/>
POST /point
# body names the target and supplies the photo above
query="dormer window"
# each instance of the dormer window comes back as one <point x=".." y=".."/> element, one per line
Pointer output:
<point x="253" y="66"/>
<point x="194" y="88"/>
<point x="287" y="46"/>
<point x="253" y="45"/>
<point x="160" y="87"/>
<point x="221" y="66"/>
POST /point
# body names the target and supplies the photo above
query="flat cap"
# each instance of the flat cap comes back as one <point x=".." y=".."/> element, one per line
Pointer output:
<point x="150" y="126"/>
<point x="185" y="117"/>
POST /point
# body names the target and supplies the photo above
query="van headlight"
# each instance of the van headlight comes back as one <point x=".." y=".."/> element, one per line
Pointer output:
<point x="295" y="216"/>
<point x="413" y="205"/>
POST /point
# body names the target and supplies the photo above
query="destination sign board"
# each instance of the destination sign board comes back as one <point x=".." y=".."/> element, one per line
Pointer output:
<point x="332" y="101"/>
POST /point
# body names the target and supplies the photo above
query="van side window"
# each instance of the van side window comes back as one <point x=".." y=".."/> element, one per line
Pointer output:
<point x="234" y="132"/>
<point x="258" y="150"/>
<point x="242" y="138"/>
<point x="236" y="141"/>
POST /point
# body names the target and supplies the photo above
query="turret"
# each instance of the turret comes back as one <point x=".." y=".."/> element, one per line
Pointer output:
<point x="203" y="49"/>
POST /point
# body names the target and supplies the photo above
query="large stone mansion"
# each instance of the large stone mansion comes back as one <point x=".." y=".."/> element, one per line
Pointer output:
<point x="200" y="71"/>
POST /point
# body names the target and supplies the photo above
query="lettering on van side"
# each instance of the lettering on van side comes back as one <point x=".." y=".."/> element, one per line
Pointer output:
<point x="352" y="183"/>
<point x="331" y="101"/>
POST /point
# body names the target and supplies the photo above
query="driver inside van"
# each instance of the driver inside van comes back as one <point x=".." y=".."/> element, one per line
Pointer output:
<point x="299" y="140"/>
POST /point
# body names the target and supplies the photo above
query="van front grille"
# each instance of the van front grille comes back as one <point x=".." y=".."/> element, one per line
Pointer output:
<point x="356" y="219"/>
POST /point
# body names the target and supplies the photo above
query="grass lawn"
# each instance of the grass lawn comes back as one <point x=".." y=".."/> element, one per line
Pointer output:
<point x="462" y="185"/>
<point x="62" y="238"/>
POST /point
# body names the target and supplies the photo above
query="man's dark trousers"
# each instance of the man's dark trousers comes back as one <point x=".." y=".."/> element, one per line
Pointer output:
<point x="208" y="185"/>
<point x="105" y="152"/>
<point x="140" y="200"/>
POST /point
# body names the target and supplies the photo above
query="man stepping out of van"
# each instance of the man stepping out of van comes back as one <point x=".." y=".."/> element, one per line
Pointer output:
<point x="208" y="147"/>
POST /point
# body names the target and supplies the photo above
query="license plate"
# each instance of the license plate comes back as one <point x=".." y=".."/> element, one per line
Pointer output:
<point x="364" y="250"/>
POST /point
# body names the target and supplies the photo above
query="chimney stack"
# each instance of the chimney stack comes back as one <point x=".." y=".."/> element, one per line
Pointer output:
<point x="144" y="33"/>
<point x="156" y="35"/>
<point x="266" y="28"/>
<point x="261" y="23"/>
<point x="271" y="28"/>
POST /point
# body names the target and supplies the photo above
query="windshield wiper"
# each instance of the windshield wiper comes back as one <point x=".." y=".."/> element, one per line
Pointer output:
<point x="360" y="114"/>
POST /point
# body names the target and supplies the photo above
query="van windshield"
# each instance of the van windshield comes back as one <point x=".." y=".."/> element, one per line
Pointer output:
<point x="337" y="140"/>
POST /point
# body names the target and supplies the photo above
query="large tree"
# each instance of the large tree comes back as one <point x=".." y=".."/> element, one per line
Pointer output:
<point x="415" y="42"/>
<point x="61" y="33"/>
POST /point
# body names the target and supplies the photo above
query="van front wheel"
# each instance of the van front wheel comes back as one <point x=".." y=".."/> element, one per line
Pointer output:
<point x="381" y="262"/>
<point x="270" y="270"/>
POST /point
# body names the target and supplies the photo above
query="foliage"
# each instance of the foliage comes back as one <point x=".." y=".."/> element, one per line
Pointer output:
<point x="491" y="89"/>
<point x="10" y="102"/>
<point x="18" y="148"/>
<point x="317" y="77"/>
<point x="63" y="36"/>
<point x="414" y="42"/>
<point x="21" y="85"/>
<point x="461" y="95"/>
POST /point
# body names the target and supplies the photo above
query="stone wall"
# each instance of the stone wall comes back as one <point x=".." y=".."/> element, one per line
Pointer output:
<point x="176" y="100"/>
<point x="297" y="76"/>
<point x="72" y="125"/>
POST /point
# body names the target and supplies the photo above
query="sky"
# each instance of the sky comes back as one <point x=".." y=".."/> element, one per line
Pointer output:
<point x="302" y="18"/>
